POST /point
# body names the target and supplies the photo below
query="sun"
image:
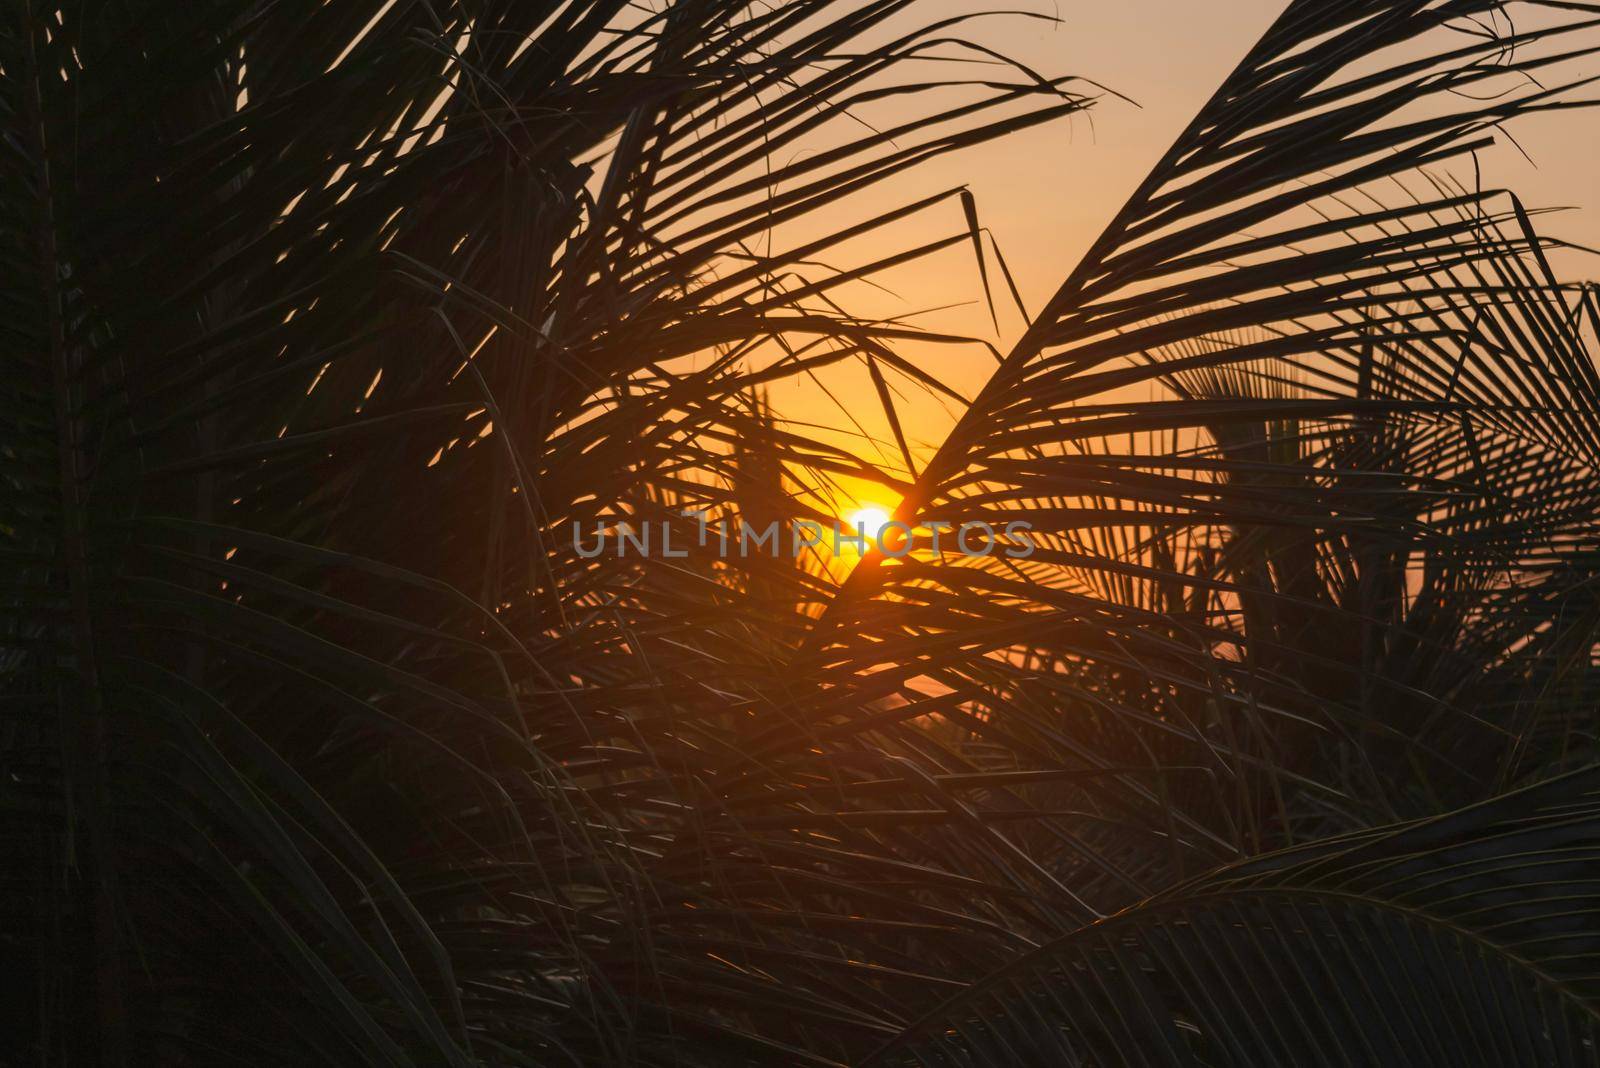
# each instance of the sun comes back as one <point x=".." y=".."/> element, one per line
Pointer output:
<point x="864" y="509"/>
<point x="871" y="516"/>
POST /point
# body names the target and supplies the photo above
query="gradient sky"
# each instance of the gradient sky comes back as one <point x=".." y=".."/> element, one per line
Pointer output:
<point x="1047" y="192"/>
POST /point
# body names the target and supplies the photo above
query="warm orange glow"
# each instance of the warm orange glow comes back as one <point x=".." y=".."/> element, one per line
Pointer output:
<point x="870" y="517"/>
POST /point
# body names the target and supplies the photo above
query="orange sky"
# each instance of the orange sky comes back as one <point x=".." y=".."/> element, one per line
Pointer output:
<point x="1046" y="192"/>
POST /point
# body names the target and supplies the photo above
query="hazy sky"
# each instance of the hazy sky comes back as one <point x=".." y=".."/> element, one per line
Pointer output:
<point x="1047" y="192"/>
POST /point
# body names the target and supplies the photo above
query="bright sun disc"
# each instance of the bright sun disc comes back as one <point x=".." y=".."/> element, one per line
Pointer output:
<point x="871" y="519"/>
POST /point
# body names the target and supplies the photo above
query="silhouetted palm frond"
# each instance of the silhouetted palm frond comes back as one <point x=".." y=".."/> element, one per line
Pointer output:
<point x="1339" y="562"/>
<point x="334" y="332"/>
<point x="1462" y="939"/>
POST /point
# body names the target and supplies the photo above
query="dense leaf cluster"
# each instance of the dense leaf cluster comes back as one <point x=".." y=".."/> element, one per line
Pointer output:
<point x="319" y="742"/>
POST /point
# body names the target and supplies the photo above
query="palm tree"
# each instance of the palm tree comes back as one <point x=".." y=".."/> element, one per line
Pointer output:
<point x="323" y="744"/>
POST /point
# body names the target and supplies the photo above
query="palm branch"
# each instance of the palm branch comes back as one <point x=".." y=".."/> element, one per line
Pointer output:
<point x="325" y="744"/>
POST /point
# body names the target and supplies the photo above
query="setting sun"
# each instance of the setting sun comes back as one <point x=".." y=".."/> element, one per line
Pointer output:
<point x="870" y="517"/>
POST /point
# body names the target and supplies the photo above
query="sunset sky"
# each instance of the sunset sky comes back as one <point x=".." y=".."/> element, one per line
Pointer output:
<point x="812" y="533"/>
<point x="1047" y="192"/>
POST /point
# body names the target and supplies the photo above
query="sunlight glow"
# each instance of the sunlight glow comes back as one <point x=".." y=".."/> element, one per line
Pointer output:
<point x="872" y="517"/>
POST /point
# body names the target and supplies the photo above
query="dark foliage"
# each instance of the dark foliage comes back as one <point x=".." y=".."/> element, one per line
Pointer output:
<point x="322" y="743"/>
